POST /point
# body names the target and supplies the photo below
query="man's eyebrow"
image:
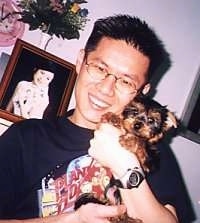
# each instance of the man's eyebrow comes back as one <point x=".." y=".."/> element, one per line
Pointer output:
<point x="98" y="60"/>
<point x="133" y="77"/>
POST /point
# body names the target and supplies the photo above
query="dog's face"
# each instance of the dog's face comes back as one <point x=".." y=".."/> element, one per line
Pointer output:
<point x="147" y="119"/>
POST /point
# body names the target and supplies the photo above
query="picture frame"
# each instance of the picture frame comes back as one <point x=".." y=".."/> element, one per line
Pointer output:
<point x="191" y="113"/>
<point x="26" y="58"/>
<point x="4" y="124"/>
<point x="4" y="58"/>
<point x="6" y="120"/>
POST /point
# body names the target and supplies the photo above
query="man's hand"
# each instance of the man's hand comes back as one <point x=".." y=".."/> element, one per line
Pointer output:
<point x="106" y="149"/>
<point x="87" y="213"/>
<point x="98" y="213"/>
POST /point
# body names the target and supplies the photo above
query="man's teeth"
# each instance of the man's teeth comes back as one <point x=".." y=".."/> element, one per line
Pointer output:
<point x="98" y="103"/>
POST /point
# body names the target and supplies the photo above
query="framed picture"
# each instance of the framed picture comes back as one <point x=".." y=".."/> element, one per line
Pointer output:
<point x="6" y="120"/>
<point x="35" y="84"/>
<point x="191" y="113"/>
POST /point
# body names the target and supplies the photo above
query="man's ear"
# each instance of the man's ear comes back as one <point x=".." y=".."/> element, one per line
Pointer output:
<point x="146" y="88"/>
<point x="79" y="60"/>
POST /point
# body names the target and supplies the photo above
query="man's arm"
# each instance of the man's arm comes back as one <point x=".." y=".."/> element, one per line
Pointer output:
<point x="140" y="202"/>
<point x="10" y="173"/>
<point x="88" y="213"/>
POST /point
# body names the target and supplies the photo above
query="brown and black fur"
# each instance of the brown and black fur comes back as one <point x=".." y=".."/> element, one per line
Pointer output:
<point x="143" y="122"/>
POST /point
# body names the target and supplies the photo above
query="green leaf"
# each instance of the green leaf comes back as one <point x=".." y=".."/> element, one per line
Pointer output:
<point x="40" y="15"/>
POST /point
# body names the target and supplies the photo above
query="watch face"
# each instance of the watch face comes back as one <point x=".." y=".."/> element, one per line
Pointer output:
<point x="10" y="27"/>
<point x="134" y="179"/>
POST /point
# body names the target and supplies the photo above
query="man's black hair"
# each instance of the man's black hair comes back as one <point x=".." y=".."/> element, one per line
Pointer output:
<point x="132" y="30"/>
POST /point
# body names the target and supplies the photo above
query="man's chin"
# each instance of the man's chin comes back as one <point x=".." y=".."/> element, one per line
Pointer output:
<point x="93" y="119"/>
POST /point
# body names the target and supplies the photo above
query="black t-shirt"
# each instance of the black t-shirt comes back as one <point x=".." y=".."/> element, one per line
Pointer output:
<point x="30" y="149"/>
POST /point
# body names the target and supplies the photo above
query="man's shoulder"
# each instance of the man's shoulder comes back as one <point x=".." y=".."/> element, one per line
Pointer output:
<point x="36" y="126"/>
<point x="32" y="123"/>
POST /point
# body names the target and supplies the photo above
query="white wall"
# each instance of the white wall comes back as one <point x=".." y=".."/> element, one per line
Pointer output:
<point x="177" y="22"/>
<point x="187" y="154"/>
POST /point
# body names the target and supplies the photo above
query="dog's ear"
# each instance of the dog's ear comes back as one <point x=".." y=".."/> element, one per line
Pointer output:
<point x="171" y="121"/>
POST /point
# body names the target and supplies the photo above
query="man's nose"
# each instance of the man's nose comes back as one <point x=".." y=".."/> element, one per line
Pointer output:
<point x="107" y="85"/>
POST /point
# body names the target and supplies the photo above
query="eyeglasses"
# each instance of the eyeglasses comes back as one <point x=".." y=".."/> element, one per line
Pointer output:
<point x="124" y="84"/>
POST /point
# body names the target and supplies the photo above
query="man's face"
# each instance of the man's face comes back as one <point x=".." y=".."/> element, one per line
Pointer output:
<point x="94" y="98"/>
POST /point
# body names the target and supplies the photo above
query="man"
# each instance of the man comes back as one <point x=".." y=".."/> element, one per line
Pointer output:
<point x="45" y="166"/>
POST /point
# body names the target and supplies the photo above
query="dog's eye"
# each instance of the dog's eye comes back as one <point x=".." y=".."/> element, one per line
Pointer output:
<point x="151" y="120"/>
<point x="135" y="112"/>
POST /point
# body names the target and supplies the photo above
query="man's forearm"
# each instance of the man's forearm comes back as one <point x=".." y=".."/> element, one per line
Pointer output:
<point x="140" y="201"/>
<point x="142" y="204"/>
<point x="67" y="218"/>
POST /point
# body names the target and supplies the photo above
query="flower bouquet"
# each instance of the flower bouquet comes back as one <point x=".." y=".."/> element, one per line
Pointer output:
<point x="64" y="18"/>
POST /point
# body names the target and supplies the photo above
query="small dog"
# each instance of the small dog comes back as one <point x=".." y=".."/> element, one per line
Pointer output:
<point x="143" y="123"/>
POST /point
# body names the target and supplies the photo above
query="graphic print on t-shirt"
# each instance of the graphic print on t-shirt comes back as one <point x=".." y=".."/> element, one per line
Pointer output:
<point x="83" y="175"/>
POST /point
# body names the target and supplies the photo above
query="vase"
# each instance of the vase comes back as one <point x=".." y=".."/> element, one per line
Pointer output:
<point x="45" y="38"/>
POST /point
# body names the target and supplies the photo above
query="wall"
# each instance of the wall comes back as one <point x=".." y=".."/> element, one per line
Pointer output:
<point x="178" y="24"/>
<point x="187" y="154"/>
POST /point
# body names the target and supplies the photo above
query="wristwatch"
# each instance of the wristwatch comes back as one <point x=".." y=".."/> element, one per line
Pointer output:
<point x="132" y="178"/>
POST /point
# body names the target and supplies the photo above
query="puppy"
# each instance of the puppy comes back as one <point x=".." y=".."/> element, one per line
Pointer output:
<point x="143" y="123"/>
